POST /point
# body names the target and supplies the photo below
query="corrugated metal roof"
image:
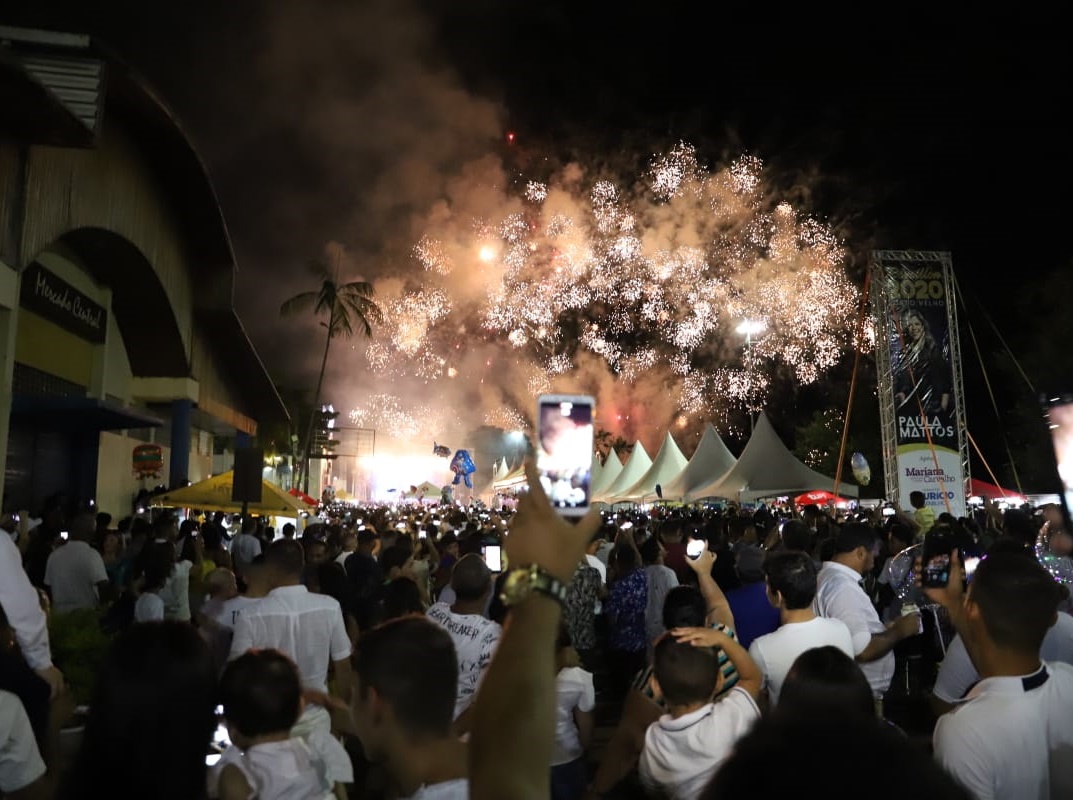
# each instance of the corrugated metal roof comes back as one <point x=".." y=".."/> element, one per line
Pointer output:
<point x="76" y="81"/>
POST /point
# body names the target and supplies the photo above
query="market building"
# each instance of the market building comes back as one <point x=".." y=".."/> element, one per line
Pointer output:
<point x="117" y="322"/>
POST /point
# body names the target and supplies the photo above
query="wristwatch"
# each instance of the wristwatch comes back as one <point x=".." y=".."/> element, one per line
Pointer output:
<point x="523" y="581"/>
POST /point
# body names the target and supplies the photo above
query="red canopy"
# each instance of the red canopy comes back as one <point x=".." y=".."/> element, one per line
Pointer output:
<point x="992" y="492"/>
<point x="305" y="498"/>
<point x="819" y="497"/>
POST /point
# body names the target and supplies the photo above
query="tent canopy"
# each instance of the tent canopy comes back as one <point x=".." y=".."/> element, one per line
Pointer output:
<point x="710" y="461"/>
<point x="766" y="468"/>
<point x="426" y="489"/>
<point x="991" y="491"/>
<point x="819" y="497"/>
<point x="610" y="470"/>
<point x="667" y="464"/>
<point x="516" y="477"/>
<point x="634" y="469"/>
<point x="214" y="494"/>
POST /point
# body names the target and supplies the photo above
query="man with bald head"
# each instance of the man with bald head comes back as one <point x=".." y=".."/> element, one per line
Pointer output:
<point x="475" y="636"/>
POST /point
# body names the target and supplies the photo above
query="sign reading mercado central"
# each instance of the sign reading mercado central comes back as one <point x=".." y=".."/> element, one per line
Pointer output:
<point x="922" y="387"/>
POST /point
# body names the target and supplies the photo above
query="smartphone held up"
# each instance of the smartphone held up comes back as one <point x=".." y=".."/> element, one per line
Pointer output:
<point x="695" y="547"/>
<point x="564" y="451"/>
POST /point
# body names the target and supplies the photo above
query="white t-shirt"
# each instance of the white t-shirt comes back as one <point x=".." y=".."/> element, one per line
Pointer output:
<point x="226" y="612"/>
<point x="286" y="770"/>
<point x="72" y="572"/>
<point x="1012" y="736"/>
<point x="573" y="689"/>
<point x="840" y="596"/>
<point x="681" y="754"/>
<point x="448" y="790"/>
<point x="957" y="673"/>
<point x="475" y="639"/>
<point x="776" y="652"/>
<point x="20" y="760"/>
<point x="148" y="608"/>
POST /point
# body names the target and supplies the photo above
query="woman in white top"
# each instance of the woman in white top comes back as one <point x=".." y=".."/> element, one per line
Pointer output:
<point x="575" y="699"/>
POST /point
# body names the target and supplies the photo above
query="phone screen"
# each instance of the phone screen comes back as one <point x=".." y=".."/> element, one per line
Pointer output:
<point x="564" y="451"/>
<point x="493" y="557"/>
<point x="1060" y="421"/>
<point x="63" y="535"/>
<point x="695" y="548"/>
<point x="888" y="512"/>
<point x="220" y="739"/>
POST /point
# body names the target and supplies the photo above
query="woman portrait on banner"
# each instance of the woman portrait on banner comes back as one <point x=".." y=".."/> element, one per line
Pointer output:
<point x="922" y="374"/>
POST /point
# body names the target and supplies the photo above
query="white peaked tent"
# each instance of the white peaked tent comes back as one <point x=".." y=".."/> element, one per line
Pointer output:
<point x="667" y="464"/>
<point x="766" y="468"/>
<point x="507" y="478"/>
<point x="597" y="471"/>
<point x="608" y="472"/>
<point x="499" y="469"/>
<point x="634" y="469"/>
<point x="711" y="461"/>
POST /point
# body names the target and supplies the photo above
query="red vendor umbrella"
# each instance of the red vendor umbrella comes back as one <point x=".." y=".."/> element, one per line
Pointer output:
<point x="819" y="497"/>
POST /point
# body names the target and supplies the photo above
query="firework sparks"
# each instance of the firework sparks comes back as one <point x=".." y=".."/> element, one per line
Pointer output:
<point x="649" y="277"/>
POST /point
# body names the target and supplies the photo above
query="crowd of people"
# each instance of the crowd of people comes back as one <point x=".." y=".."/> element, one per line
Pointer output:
<point x="450" y="651"/>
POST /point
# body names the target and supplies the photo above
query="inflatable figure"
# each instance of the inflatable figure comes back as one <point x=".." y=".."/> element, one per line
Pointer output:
<point x="462" y="466"/>
<point x="861" y="471"/>
<point x="441" y="450"/>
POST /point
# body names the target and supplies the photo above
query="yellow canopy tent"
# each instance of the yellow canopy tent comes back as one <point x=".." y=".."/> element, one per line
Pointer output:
<point x="214" y="494"/>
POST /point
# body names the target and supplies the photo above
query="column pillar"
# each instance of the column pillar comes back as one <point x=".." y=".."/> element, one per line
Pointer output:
<point x="179" y="465"/>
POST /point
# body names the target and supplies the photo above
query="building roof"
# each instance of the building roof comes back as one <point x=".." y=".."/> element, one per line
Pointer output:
<point x="49" y="76"/>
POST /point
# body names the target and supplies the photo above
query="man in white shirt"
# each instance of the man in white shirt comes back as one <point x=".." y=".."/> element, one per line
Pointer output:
<point x="309" y="628"/>
<point x="1013" y="734"/>
<point x="404" y="700"/>
<point x="791" y="588"/>
<point x="839" y="596"/>
<point x="75" y="573"/>
<point x="22" y="606"/>
<point x="475" y="637"/>
<point x="957" y="674"/>
<point x="225" y="604"/>
<point x="245" y="547"/>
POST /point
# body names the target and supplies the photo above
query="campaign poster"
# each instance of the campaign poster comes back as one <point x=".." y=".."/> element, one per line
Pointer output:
<point x="921" y="344"/>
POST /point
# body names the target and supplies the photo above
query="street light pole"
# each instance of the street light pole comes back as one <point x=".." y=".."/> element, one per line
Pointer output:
<point x="747" y="328"/>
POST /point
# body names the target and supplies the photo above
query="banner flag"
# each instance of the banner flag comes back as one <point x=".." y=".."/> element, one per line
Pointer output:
<point x="920" y="379"/>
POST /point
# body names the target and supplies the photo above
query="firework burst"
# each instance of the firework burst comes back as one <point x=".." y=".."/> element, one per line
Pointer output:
<point x="649" y="278"/>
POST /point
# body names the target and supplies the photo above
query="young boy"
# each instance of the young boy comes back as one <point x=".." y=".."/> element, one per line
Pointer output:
<point x="685" y="747"/>
<point x="262" y="699"/>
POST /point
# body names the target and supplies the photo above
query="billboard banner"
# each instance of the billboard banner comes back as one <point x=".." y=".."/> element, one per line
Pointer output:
<point x="919" y="326"/>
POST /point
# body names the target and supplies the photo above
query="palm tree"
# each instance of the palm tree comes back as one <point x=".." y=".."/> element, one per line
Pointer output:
<point x="349" y="308"/>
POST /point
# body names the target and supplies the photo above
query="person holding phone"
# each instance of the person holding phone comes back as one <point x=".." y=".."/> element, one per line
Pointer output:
<point x="1012" y="734"/>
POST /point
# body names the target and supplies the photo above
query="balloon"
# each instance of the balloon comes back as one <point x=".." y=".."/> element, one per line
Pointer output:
<point x="441" y="450"/>
<point x="861" y="471"/>
<point x="462" y="466"/>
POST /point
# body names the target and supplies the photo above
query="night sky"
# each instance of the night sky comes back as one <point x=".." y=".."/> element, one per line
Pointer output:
<point x="911" y="131"/>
